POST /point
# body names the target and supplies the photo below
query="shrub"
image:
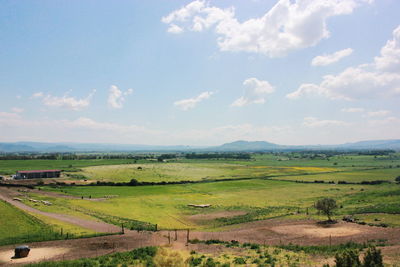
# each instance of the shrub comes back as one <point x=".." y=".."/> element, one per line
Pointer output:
<point x="348" y="258"/>
<point x="239" y="260"/>
<point x="373" y="258"/>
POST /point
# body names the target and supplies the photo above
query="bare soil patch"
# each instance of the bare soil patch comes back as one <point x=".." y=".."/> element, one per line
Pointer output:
<point x="215" y="215"/>
<point x="334" y="230"/>
<point x="35" y="255"/>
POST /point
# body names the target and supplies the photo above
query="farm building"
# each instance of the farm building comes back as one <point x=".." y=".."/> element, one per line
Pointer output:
<point x="37" y="174"/>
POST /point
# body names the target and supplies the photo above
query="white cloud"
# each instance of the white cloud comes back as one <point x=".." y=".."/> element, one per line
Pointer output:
<point x="9" y="115"/>
<point x="65" y="101"/>
<point x="186" y="104"/>
<point x="379" y="113"/>
<point x="17" y="110"/>
<point x="352" y="110"/>
<point x="313" y="122"/>
<point x="255" y="92"/>
<point x="116" y="97"/>
<point x="173" y="28"/>
<point x="392" y="121"/>
<point x="37" y="95"/>
<point x="389" y="60"/>
<point x="289" y="25"/>
<point x="378" y="79"/>
<point x="327" y="59"/>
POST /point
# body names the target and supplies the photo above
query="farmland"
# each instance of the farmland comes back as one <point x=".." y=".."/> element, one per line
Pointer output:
<point x="190" y="171"/>
<point x="8" y="167"/>
<point x="259" y="199"/>
<point x="259" y="191"/>
<point x="17" y="226"/>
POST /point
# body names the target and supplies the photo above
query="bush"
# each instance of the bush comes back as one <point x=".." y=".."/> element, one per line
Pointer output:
<point x="210" y="263"/>
<point x="348" y="258"/>
<point x="239" y="260"/>
<point x="192" y="261"/>
<point x="373" y="258"/>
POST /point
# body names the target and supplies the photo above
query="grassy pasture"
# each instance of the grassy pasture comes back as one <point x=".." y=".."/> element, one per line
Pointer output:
<point x="167" y="205"/>
<point x="16" y="226"/>
<point x="8" y="167"/>
<point x="291" y="160"/>
<point x="354" y="176"/>
<point x="157" y="172"/>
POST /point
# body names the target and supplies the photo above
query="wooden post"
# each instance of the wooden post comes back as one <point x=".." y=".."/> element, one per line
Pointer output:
<point x="330" y="240"/>
<point x="156" y="227"/>
<point x="122" y="229"/>
<point x="176" y="235"/>
<point x="169" y="238"/>
<point x="61" y="232"/>
<point x="187" y="237"/>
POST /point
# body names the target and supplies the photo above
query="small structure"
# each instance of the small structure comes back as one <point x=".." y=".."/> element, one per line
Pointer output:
<point x="22" y="252"/>
<point x="37" y="174"/>
<point x="47" y="203"/>
<point x="199" y="205"/>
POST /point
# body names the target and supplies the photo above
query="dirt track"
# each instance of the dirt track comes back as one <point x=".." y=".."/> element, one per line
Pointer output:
<point x="271" y="232"/>
<point x="97" y="226"/>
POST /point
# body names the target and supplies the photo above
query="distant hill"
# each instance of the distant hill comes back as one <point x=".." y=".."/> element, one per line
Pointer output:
<point x="267" y="146"/>
<point x="374" y="144"/>
<point x="237" y="146"/>
<point x="247" y="146"/>
<point x="84" y="147"/>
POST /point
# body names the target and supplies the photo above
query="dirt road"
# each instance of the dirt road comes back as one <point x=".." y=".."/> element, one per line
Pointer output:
<point x="97" y="226"/>
<point x="271" y="232"/>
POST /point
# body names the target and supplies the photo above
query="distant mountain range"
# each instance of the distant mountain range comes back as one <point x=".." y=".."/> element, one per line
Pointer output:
<point x="237" y="146"/>
<point x="267" y="146"/>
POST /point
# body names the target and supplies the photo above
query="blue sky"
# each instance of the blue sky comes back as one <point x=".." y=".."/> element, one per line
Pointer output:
<point x="200" y="72"/>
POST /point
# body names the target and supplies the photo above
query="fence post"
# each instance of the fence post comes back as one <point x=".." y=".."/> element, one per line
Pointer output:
<point x="176" y="235"/>
<point x="169" y="238"/>
<point x="187" y="237"/>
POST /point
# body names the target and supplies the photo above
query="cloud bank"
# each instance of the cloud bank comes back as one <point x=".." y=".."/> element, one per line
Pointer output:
<point x="287" y="26"/>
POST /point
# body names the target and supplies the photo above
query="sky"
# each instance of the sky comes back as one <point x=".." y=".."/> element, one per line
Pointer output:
<point x="169" y="72"/>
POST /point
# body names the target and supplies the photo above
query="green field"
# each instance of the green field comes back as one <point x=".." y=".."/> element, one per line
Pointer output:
<point x="259" y="199"/>
<point x="265" y="188"/>
<point x="195" y="171"/>
<point x="354" y="176"/>
<point x="8" y="167"/>
<point x="17" y="226"/>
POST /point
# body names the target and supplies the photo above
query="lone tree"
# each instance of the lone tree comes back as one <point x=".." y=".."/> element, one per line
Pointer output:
<point x="326" y="205"/>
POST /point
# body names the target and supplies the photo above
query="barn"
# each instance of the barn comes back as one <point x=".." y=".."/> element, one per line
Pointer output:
<point x="37" y="174"/>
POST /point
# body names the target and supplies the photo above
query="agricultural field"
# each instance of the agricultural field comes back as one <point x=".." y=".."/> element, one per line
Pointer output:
<point x="353" y="176"/>
<point x="236" y="201"/>
<point x="16" y="226"/>
<point x="8" y="167"/>
<point x="276" y="192"/>
<point x="195" y="171"/>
